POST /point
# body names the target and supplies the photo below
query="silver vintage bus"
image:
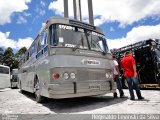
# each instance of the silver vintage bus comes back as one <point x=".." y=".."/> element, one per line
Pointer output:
<point x="67" y="59"/>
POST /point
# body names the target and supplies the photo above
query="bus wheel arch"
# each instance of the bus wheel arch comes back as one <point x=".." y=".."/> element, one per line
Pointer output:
<point x="20" y="87"/>
<point x="38" y="97"/>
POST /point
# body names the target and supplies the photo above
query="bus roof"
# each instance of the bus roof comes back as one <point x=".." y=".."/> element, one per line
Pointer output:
<point x="73" y="22"/>
<point x="137" y="45"/>
<point x="55" y="20"/>
<point x="4" y="66"/>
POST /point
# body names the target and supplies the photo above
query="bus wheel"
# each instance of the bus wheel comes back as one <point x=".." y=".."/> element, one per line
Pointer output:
<point x="115" y="95"/>
<point x="20" y="87"/>
<point x="11" y="86"/>
<point x="39" y="98"/>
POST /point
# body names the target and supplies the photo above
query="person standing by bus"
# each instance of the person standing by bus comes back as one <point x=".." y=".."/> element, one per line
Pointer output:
<point x="128" y="64"/>
<point x="116" y="76"/>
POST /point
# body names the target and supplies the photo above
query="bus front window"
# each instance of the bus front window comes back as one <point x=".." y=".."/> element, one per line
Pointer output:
<point x="69" y="36"/>
<point x="75" y="37"/>
<point x="98" y="42"/>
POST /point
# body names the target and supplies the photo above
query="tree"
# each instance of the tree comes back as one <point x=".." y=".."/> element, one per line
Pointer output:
<point x="21" y="52"/>
<point x="1" y="55"/>
<point x="8" y="57"/>
<point x="18" y="56"/>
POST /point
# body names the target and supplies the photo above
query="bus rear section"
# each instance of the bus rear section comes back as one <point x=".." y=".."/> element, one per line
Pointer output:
<point x="4" y="77"/>
<point x="148" y="66"/>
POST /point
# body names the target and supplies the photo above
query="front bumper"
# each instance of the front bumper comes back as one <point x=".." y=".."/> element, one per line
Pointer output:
<point x="69" y="90"/>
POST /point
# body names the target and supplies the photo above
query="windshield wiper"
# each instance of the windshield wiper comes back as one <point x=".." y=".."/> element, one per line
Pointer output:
<point x="103" y="52"/>
<point x="78" y="44"/>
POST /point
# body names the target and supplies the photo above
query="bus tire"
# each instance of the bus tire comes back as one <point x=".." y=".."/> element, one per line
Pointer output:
<point x="115" y="95"/>
<point x="20" y="87"/>
<point x="11" y="85"/>
<point x="38" y="97"/>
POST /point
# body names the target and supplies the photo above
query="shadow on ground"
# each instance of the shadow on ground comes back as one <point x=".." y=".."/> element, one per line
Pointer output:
<point x="72" y="105"/>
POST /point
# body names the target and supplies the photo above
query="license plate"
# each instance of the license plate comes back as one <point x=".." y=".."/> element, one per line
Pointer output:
<point x="94" y="87"/>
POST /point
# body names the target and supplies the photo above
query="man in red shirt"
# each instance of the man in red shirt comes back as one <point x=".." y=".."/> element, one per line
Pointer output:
<point x="129" y="66"/>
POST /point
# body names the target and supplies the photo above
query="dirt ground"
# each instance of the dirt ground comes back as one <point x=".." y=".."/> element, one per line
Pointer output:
<point x="13" y="102"/>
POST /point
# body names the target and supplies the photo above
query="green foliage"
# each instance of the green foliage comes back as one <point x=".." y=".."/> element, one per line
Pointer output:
<point x="1" y="55"/>
<point x="21" y="52"/>
<point x="10" y="59"/>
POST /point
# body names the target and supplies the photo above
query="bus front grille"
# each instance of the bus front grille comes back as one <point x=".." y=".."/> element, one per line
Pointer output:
<point x="83" y="75"/>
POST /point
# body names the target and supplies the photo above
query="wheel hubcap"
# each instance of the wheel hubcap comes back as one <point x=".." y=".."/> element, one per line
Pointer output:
<point x="37" y="90"/>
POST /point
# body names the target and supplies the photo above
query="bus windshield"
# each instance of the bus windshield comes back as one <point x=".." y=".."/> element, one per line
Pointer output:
<point x="4" y="70"/>
<point x="71" y="36"/>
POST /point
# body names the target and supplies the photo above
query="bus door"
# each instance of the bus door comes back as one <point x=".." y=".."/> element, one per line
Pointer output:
<point x="145" y="65"/>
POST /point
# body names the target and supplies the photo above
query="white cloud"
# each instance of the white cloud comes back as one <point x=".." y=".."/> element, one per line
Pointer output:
<point x="111" y="29"/>
<point x="24" y="42"/>
<point x="57" y="6"/>
<point x="40" y="11"/>
<point x="21" y="20"/>
<point x="42" y="3"/>
<point x="43" y="24"/>
<point x="135" y="35"/>
<point x="8" y="7"/>
<point x="26" y="14"/>
<point x="5" y="41"/>
<point x="126" y="12"/>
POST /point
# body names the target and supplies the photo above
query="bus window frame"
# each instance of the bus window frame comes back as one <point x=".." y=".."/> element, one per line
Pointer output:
<point x="33" y="49"/>
<point x="56" y="33"/>
<point x="43" y="48"/>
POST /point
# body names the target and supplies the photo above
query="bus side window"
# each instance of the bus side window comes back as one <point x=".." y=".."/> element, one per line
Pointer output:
<point x="33" y="49"/>
<point x="27" y="56"/>
<point x="38" y="44"/>
<point x="4" y="70"/>
<point x="43" y="39"/>
<point x="52" y="35"/>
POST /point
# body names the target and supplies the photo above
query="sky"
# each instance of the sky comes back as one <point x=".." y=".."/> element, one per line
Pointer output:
<point x="122" y="21"/>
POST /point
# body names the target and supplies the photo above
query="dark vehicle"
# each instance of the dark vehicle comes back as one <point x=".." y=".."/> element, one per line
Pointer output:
<point x="147" y="56"/>
<point x="14" y="78"/>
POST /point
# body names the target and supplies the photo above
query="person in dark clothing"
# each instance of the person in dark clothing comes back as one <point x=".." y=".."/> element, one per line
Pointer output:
<point x="117" y="76"/>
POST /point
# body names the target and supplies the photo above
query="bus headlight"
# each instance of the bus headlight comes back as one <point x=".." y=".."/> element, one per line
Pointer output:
<point x="110" y="76"/>
<point x="65" y="76"/>
<point x="107" y="75"/>
<point x="73" y="75"/>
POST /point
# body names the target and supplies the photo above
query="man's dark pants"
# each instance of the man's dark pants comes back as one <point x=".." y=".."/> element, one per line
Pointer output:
<point x="133" y="81"/>
<point x="119" y="85"/>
